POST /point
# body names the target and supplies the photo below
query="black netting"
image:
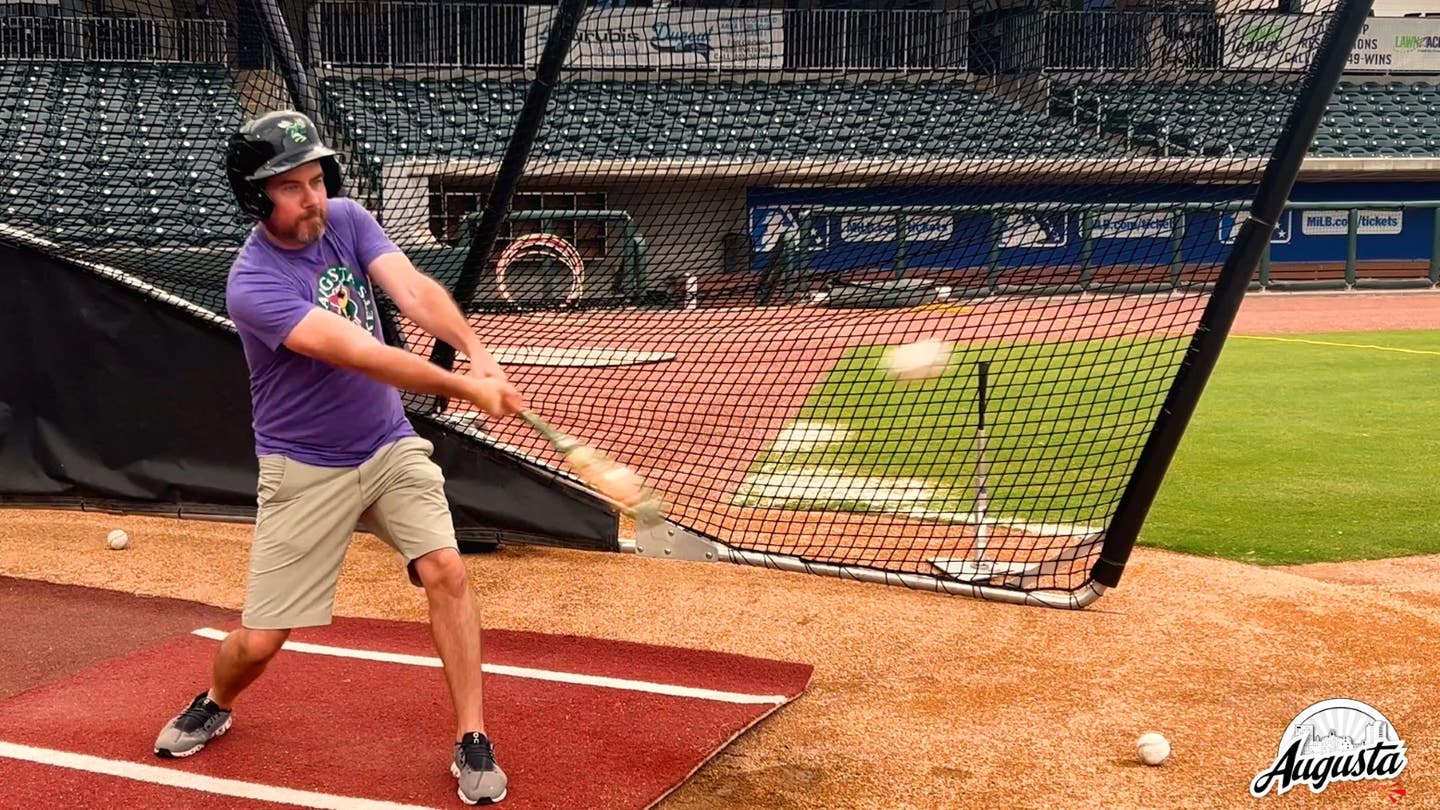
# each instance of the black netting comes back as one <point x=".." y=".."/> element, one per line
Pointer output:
<point x="727" y="219"/>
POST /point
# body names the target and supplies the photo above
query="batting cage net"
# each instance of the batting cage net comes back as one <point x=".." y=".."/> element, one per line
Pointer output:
<point x="923" y="296"/>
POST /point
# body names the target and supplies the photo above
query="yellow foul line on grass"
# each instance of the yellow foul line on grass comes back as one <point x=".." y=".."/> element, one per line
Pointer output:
<point x="1338" y="345"/>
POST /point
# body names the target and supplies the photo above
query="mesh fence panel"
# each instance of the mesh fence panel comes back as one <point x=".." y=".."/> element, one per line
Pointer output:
<point x="727" y="221"/>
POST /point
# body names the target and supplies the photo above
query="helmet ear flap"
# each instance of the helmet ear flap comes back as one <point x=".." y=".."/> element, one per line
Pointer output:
<point x="243" y="157"/>
<point x="333" y="181"/>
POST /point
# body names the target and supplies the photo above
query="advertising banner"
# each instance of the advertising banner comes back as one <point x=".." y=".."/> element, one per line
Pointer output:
<point x="666" y="38"/>
<point x="1337" y="223"/>
<point x="883" y="229"/>
<point x="1132" y="225"/>
<point x="1396" y="45"/>
<point x="1289" y="41"/>
<point x="1272" y="41"/>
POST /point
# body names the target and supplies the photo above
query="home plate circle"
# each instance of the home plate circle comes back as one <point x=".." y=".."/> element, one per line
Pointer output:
<point x="582" y="356"/>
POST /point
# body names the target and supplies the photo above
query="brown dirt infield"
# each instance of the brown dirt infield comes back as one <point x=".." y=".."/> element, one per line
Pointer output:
<point x="928" y="701"/>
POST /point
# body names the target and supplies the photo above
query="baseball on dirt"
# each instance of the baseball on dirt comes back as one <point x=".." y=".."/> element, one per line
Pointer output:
<point x="117" y="539"/>
<point x="921" y="360"/>
<point x="1152" y="748"/>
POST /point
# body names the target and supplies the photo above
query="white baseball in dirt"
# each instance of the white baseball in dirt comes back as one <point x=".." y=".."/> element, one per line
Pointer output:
<point x="1152" y="748"/>
<point x="921" y="360"/>
<point x="117" y="539"/>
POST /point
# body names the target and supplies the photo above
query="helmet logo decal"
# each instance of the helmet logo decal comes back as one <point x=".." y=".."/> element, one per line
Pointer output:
<point x="296" y="130"/>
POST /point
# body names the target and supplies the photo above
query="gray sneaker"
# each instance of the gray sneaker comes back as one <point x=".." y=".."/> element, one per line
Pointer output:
<point x="202" y="722"/>
<point x="481" y="780"/>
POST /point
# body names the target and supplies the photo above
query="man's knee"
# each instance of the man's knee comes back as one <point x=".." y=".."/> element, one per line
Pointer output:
<point x="258" y="646"/>
<point x="442" y="572"/>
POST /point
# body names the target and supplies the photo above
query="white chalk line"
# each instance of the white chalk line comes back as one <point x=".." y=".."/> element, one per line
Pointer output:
<point x="589" y="357"/>
<point x="896" y="496"/>
<point x="186" y="780"/>
<point x="600" y="681"/>
<point x="1338" y="345"/>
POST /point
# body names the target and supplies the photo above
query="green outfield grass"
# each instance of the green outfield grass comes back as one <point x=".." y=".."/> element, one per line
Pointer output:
<point x="1303" y="453"/>
<point x="1299" y="452"/>
<point x="911" y="446"/>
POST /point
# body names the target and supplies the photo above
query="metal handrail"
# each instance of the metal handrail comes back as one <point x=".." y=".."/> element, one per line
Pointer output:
<point x="112" y="39"/>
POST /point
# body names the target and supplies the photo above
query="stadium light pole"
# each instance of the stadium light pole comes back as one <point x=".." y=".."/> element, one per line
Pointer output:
<point x="512" y="165"/>
<point x="1209" y="338"/>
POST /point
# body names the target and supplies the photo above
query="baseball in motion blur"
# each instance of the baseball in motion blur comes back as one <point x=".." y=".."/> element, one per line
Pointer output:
<point x="921" y="360"/>
<point x="117" y="539"/>
<point x="1152" y="748"/>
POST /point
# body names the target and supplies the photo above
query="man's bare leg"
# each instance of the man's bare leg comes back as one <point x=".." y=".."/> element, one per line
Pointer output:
<point x="242" y="658"/>
<point x="455" y="626"/>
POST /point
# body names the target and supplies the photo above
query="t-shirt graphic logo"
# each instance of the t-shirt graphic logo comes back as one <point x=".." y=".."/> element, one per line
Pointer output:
<point x="341" y="293"/>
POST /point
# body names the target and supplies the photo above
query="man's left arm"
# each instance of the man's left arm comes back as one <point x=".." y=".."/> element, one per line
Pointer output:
<point x="430" y="306"/>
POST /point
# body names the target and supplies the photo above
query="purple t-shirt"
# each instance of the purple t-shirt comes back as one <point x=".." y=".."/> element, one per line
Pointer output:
<point x="303" y="408"/>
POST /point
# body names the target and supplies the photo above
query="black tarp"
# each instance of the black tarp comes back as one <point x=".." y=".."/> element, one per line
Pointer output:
<point x="113" y="400"/>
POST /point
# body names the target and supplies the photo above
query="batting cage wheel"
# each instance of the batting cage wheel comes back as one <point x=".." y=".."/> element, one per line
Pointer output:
<point x="531" y="260"/>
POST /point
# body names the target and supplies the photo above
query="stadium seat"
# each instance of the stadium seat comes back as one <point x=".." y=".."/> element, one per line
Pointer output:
<point x="75" y="127"/>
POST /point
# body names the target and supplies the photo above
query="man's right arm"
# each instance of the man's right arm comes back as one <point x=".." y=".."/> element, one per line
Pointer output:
<point x="332" y="339"/>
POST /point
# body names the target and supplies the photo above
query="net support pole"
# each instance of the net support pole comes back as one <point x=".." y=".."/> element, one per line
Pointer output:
<point x="1352" y="238"/>
<point x="287" y="57"/>
<point x="1204" y="349"/>
<point x="303" y="100"/>
<point x="512" y="165"/>
<point x="1434" y="273"/>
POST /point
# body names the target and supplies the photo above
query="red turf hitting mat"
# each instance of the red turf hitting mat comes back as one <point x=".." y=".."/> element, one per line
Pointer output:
<point x="577" y="722"/>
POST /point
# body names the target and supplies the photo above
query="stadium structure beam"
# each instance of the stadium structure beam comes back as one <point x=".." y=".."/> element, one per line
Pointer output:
<point x="512" y="166"/>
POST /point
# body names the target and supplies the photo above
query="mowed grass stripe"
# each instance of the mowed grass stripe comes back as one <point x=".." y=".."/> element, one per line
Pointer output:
<point x="1313" y="448"/>
<point x="1305" y="452"/>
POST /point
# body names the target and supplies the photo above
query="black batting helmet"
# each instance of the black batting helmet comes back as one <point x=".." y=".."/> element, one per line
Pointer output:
<point x="273" y="144"/>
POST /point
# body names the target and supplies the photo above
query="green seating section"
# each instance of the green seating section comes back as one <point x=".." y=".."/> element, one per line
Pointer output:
<point x="599" y="120"/>
<point x="1212" y="120"/>
<point x="118" y="155"/>
<point x="132" y="155"/>
<point x="1369" y="119"/>
<point x="1391" y="119"/>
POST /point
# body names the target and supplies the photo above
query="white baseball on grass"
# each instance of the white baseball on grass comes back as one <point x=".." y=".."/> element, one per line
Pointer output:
<point x="117" y="539"/>
<point x="921" y="360"/>
<point x="1152" y="748"/>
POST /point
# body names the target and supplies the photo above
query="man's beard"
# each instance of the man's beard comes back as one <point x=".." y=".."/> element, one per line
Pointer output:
<point x="308" y="230"/>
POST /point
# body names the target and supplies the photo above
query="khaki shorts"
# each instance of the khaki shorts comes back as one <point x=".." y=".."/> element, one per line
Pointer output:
<point x="307" y="515"/>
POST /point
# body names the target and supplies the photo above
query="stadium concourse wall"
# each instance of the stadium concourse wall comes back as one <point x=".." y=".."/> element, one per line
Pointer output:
<point x="1309" y="249"/>
<point x="747" y="206"/>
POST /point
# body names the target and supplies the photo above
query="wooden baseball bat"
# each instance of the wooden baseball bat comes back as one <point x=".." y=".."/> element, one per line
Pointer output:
<point x="615" y="481"/>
